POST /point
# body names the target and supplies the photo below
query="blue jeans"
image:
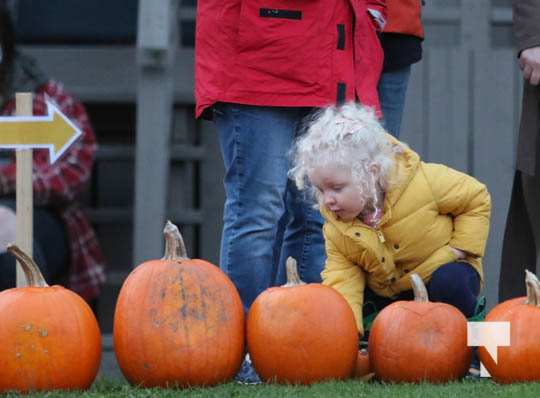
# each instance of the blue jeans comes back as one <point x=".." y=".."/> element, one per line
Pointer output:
<point x="255" y="144"/>
<point x="392" y="92"/>
<point x="300" y="236"/>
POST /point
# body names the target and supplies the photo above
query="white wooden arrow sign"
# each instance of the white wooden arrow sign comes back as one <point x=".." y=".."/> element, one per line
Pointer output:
<point x="23" y="133"/>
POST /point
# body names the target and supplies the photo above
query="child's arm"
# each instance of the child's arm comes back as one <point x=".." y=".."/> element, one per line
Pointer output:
<point x="347" y="278"/>
<point x="468" y="201"/>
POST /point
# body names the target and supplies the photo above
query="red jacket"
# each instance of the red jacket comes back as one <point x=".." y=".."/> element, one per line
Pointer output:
<point x="287" y="52"/>
<point x="404" y="16"/>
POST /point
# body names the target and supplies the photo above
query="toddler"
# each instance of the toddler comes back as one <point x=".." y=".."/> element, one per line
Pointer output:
<point x="387" y="213"/>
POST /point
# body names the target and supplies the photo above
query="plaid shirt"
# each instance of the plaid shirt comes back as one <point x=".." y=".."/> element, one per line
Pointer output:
<point x="59" y="185"/>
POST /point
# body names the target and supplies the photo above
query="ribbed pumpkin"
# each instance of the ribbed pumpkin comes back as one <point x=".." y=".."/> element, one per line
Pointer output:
<point x="301" y="333"/>
<point x="521" y="360"/>
<point x="50" y="338"/>
<point x="178" y="321"/>
<point x="413" y="341"/>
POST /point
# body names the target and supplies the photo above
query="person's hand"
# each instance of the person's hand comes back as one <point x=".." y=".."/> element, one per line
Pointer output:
<point x="529" y="62"/>
<point x="460" y="254"/>
<point x="7" y="227"/>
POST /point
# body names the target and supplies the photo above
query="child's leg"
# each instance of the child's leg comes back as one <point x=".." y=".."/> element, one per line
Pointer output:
<point x="457" y="284"/>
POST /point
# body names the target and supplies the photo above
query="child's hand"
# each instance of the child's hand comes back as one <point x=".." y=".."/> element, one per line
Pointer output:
<point x="460" y="254"/>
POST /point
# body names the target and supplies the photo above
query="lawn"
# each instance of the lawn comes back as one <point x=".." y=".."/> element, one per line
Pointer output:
<point x="467" y="388"/>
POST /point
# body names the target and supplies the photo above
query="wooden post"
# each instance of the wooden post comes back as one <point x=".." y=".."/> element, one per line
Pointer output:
<point x="24" y="192"/>
<point x="156" y="47"/>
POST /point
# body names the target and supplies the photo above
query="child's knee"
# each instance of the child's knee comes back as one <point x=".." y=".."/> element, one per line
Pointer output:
<point x="451" y="283"/>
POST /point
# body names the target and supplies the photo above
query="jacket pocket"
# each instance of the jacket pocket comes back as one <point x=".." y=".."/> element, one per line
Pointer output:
<point x="441" y="256"/>
<point x="279" y="43"/>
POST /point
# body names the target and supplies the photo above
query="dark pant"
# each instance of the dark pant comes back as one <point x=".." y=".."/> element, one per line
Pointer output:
<point x="457" y="284"/>
<point x="50" y="246"/>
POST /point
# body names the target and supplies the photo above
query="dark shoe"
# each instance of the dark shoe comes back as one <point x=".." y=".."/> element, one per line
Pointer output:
<point x="479" y="315"/>
<point x="247" y="373"/>
<point x="474" y="367"/>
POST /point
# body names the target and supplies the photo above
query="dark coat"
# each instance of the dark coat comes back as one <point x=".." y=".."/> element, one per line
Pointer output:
<point x="527" y="35"/>
<point x="519" y="251"/>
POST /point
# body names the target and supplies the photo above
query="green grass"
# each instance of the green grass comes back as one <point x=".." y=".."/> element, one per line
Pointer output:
<point x="467" y="388"/>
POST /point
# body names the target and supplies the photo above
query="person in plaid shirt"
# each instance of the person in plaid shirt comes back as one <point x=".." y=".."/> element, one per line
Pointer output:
<point x="65" y="245"/>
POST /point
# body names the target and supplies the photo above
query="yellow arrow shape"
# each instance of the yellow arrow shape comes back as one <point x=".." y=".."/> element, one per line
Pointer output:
<point x="54" y="131"/>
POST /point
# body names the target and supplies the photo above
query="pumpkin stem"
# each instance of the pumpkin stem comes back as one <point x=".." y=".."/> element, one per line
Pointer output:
<point x="175" y="249"/>
<point x="419" y="289"/>
<point x="533" y="289"/>
<point x="293" y="279"/>
<point x="34" y="277"/>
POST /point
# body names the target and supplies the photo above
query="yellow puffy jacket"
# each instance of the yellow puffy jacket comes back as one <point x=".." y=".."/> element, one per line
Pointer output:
<point x="431" y="209"/>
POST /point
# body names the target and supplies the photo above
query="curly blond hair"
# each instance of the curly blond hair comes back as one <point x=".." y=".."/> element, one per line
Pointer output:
<point x="349" y="135"/>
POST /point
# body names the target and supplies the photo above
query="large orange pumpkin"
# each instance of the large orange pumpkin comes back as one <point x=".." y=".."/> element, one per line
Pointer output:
<point x="301" y="333"/>
<point x="178" y="321"/>
<point x="413" y="341"/>
<point x="521" y="360"/>
<point x="49" y="336"/>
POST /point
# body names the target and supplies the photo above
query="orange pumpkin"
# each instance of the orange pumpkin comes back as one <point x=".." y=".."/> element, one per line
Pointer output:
<point x="50" y="336"/>
<point x="178" y="321"/>
<point x="363" y="366"/>
<point x="413" y="341"/>
<point x="520" y="361"/>
<point x="301" y="333"/>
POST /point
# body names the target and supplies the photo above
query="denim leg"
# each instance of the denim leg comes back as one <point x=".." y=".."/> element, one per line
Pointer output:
<point x="302" y="238"/>
<point x="255" y="142"/>
<point x="392" y="92"/>
<point x="279" y="274"/>
<point x="457" y="284"/>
